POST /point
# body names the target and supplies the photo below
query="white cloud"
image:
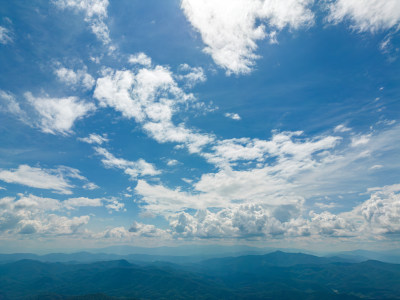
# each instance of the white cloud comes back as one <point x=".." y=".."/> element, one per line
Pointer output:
<point x="132" y="168"/>
<point x="36" y="215"/>
<point x="94" y="138"/>
<point x="58" y="115"/>
<point x="5" y="36"/>
<point x="115" y="205"/>
<point x="95" y="12"/>
<point x="73" y="203"/>
<point x="248" y="221"/>
<point x="145" y="230"/>
<point x="90" y="186"/>
<point x="191" y="75"/>
<point x="269" y="184"/>
<point x="230" y="31"/>
<point x="51" y="179"/>
<point x="140" y="59"/>
<point x="172" y="162"/>
<point x="111" y="204"/>
<point x="360" y="140"/>
<point x="136" y="230"/>
<point x="341" y="128"/>
<point x="376" y="167"/>
<point x="381" y="212"/>
<point x="366" y="15"/>
<point x="10" y="104"/>
<point x="151" y="97"/>
<point x="75" y="79"/>
<point x="233" y="116"/>
<point x="267" y="197"/>
<point x="283" y="145"/>
<point x="325" y="205"/>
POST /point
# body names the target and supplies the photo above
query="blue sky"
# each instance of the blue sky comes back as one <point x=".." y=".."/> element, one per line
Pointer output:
<point x="271" y="123"/>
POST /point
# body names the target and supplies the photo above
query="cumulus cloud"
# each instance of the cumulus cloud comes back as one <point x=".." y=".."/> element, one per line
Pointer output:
<point x="266" y="184"/>
<point x="140" y="59"/>
<point x="285" y="145"/>
<point x="51" y="179"/>
<point x="90" y="186"/>
<point x="95" y="12"/>
<point x="58" y="115"/>
<point x="377" y="216"/>
<point x="366" y="15"/>
<point x="272" y="183"/>
<point x="30" y="214"/>
<point x="94" y="138"/>
<point x="150" y="96"/>
<point x="382" y="210"/>
<point x="75" y="78"/>
<point x="248" y="221"/>
<point x="233" y="116"/>
<point x="132" y="168"/>
<point x="230" y="28"/>
<point x="136" y="230"/>
<point x="145" y="230"/>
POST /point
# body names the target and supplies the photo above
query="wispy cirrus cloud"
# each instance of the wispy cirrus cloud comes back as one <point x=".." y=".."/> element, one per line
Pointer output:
<point x="6" y="36"/>
<point x="132" y="168"/>
<point x="57" y="180"/>
<point x="94" y="138"/>
<point x="366" y="15"/>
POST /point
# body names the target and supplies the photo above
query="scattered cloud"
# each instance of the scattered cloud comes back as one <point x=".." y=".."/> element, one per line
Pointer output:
<point x="366" y="15"/>
<point x="134" y="169"/>
<point x="6" y="36"/>
<point x="136" y="230"/>
<point x="150" y="96"/>
<point x="376" y="167"/>
<point x="341" y="128"/>
<point x="140" y="59"/>
<point x="94" y="138"/>
<point x="11" y="105"/>
<point x="191" y="76"/>
<point x="382" y="211"/>
<point x="145" y="230"/>
<point x="75" y="78"/>
<point x="73" y="203"/>
<point x="50" y="179"/>
<point x="360" y="140"/>
<point x="231" y="28"/>
<point x="233" y="116"/>
<point x="172" y="162"/>
<point x="322" y="205"/>
<point x="95" y="12"/>
<point x="30" y="214"/>
<point x="58" y="115"/>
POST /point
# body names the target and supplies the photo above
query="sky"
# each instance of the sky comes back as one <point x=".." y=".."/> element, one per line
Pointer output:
<point x="234" y="122"/>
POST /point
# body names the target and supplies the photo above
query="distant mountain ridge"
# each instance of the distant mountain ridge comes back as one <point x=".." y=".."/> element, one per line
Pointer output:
<point x="276" y="275"/>
<point x="187" y="254"/>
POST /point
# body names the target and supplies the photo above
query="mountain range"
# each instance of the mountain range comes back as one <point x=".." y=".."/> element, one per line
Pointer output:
<point x="276" y="275"/>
